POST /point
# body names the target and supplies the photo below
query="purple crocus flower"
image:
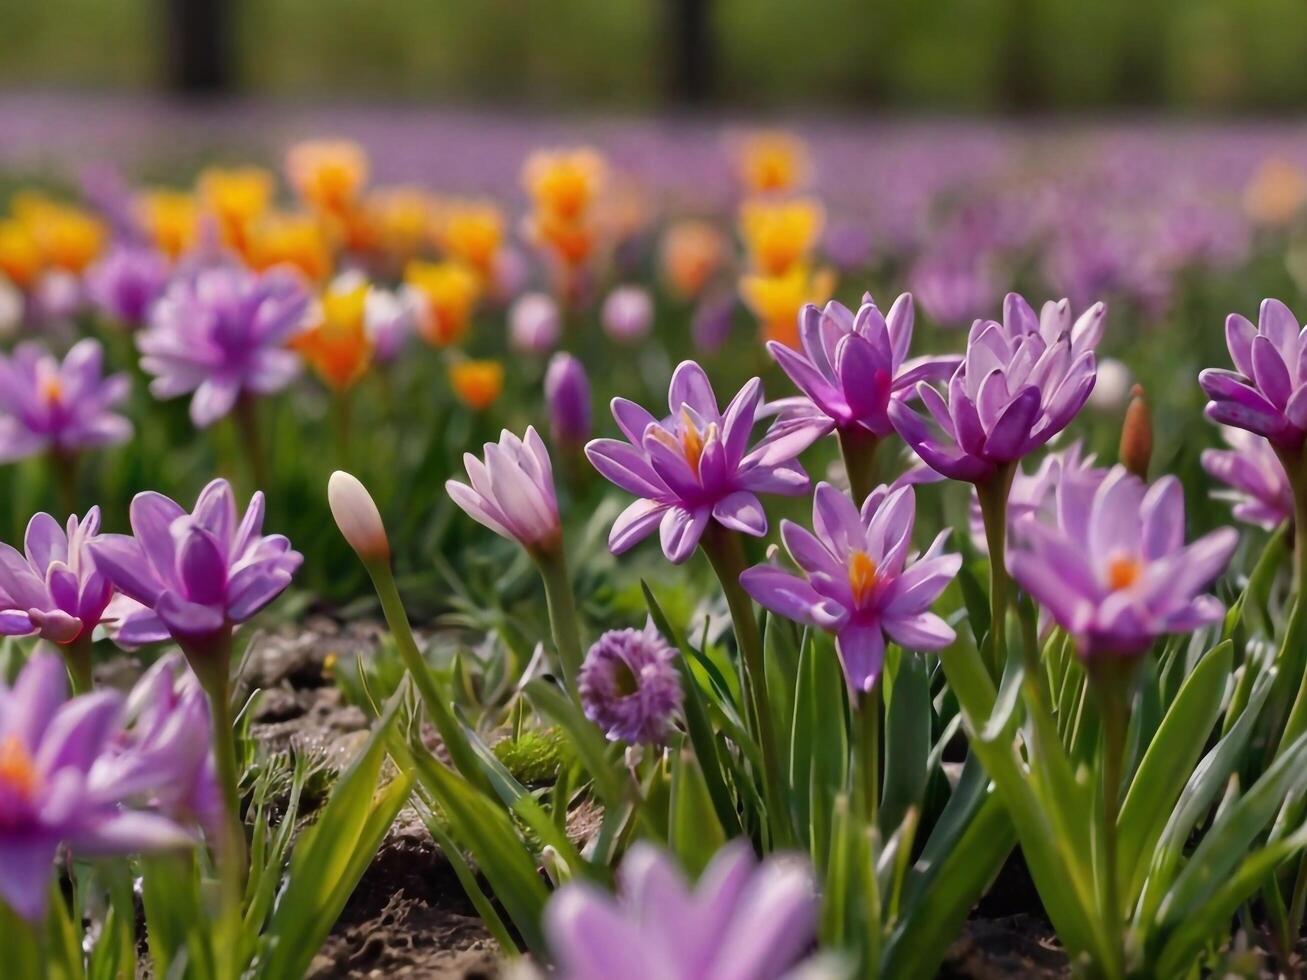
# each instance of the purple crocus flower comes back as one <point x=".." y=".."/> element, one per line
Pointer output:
<point x="694" y="466"/>
<point x="221" y="333"/>
<point x="534" y="323"/>
<point x="63" y="407"/>
<point x="630" y="687"/>
<point x="1014" y="391"/>
<point x="512" y="491"/>
<point x="388" y="318"/>
<point x="627" y="313"/>
<point x="124" y="284"/>
<point x="741" y="921"/>
<point x="1259" y="488"/>
<point x="856" y="580"/>
<point x="851" y="367"/>
<point x="1114" y="571"/>
<point x="53" y="587"/>
<point x="192" y="576"/>
<point x="1267" y="391"/>
<point x="1035" y="493"/>
<point x="567" y="390"/>
<point x="55" y="789"/>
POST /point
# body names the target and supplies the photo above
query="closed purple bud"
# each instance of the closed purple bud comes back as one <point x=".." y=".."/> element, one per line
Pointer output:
<point x="627" y="314"/>
<point x="567" y="389"/>
<point x="711" y="326"/>
<point x="534" y="324"/>
<point x="630" y="687"/>
<point x="511" y="491"/>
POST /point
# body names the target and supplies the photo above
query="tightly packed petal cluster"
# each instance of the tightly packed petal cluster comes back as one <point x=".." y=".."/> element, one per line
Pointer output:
<point x="1015" y="389"/>
<point x="60" y="786"/>
<point x="222" y="333"/>
<point x="1114" y="570"/>
<point x="512" y="491"/>
<point x="191" y="576"/>
<point x="1267" y="391"/>
<point x="51" y="406"/>
<point x="630" y="687"/>
<point x="695" y="465"/>
<point x="856" y="579"/>
<point x="742" y="921"/>
<point x="53" y="587"/>
<point x="1259" y="487"/>
<point x="852" y="365"/>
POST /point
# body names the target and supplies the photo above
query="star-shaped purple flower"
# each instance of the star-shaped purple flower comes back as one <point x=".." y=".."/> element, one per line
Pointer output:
<point x="53" y="587"/>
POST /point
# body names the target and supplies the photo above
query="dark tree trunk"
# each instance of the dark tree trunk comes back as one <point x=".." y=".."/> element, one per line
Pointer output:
<point x="690" y="38"/>
<point x="199" y="46"/>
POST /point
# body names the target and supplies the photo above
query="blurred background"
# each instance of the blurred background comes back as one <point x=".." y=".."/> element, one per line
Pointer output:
<point x="946" y="55"/>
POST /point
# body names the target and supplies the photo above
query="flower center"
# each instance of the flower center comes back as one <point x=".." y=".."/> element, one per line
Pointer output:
<point x="1123" y="572"/>
<point x="17" y="772"/>
<point x="51" y="390"/>
<point x="862" y="575"/>
<point x="691" y="441"/>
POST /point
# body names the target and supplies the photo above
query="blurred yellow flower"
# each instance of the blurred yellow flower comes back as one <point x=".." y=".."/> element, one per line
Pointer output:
<point x="281" y="238"/>
<point x="327" y="174"/>
<point x="690" y="254"/>
<point x="478" y="384"/>
<point x="776" y="300"/>
<point x="171" y="218"/>
<point x="338" y="346"/>
<point x="401" y="217"/>
<point x="780" y="234"/>
<point x="472" y="232"/>
<point x="67" y="237"/>
<point x="1276" y="192"/>
<point x="447" y="293"/>
<point x="20" y="258"/>
<point x="571" y="242"/>
<point x="235" y="196"/>
<point x="563" y="183"/>
<point x="771" y="162"/>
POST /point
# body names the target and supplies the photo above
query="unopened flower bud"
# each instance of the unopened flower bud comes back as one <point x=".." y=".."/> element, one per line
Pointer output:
<point x="1137" y="435"/>
<point x="356" y="514"/>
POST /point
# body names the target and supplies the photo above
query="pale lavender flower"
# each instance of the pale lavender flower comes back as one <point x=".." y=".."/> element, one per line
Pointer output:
<point x="1267" y="391"/>
<point x="1114" y="571"/>
<point x="856" y="580"/>
<point x="694" y="466"/>
<point x="1259" y="489"/>
<point x="851" y="366"/>
<point x="1015" y="389"/>
<point x="534" y="323"/>
<point x="53" y="587"/>
<point x="512" y="491"/>
<point x="741" y="921"/>
<point x="48" y="405"/>
<point x="124" y="284"/>
<point x="627" y="313"/>
<point x="56" y="790"/>
<point x="630" y="687"/>
<point x="388" y="318"/>
<point x="567" y="390"/>
<point x="192" y="576"/>
<point x="1036" y="493"/>
<point x="221" y="333"/>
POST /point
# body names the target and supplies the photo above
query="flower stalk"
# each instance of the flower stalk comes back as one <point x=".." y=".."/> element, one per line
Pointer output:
<point x="858" y="448"/>
<point x="552" y="563"/>
<point x="993" y="495"/>
<point x="866" y="777"/>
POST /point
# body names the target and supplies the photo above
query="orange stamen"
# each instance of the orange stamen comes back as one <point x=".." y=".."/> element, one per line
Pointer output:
<point x="862" y="575"/>
<point x="1123" y="572"/>
<point x="691" y="441"/>
<point x="17" y="772"/>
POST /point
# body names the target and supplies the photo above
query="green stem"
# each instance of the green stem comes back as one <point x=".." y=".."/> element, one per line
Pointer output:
<point x="22" y="943"/>
<point x="858" y="447"/>
<point x="993" y="510"/>
<point x="436" y="700"/>
<point x="866" y="723"/>
<point x="77" y="655"/>
<point x="1112" y="686"/>
<point x="64" y="466"/>
<point x="247" y="424"/>
<point x="726" y="554"/>
<point x="562" y="613"/>
<point x="341" y="420"/>
<point x="1290" y="658"/>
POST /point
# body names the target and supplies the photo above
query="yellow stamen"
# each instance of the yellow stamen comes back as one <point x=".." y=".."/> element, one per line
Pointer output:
<point x="17" y="771"/>
<point x="691" y="441"/>
<point x="1123" y="572"/>
<point x="862" y="575"/>
<point x="52" y="391"/>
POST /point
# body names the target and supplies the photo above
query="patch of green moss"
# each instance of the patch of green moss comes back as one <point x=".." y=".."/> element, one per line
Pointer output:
<point x="536" y="758"/>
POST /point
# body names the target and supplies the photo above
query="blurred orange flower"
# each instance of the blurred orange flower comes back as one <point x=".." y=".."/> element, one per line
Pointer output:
<point x="171" y="218"/>
<point x="20" y="258"/>
<point x="472" y="232"/>
<point x="327" y="174"/>
<point x="402" y="218"/>
<point x="338" y="346"/>
<point x="690" y="254"/>
<point x="447" y="292"/>
<point x="1276" y="192"/>
<point x="478" y="384"/>
<point x="563" y="183"/>
<point x="780" y="234"/>
<point x="293" y="239"/>
<point x="776" y="300"/>
<point x="67" y="237"/>
<point x="771" y="162"/>
<point x="235" y="196"/>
